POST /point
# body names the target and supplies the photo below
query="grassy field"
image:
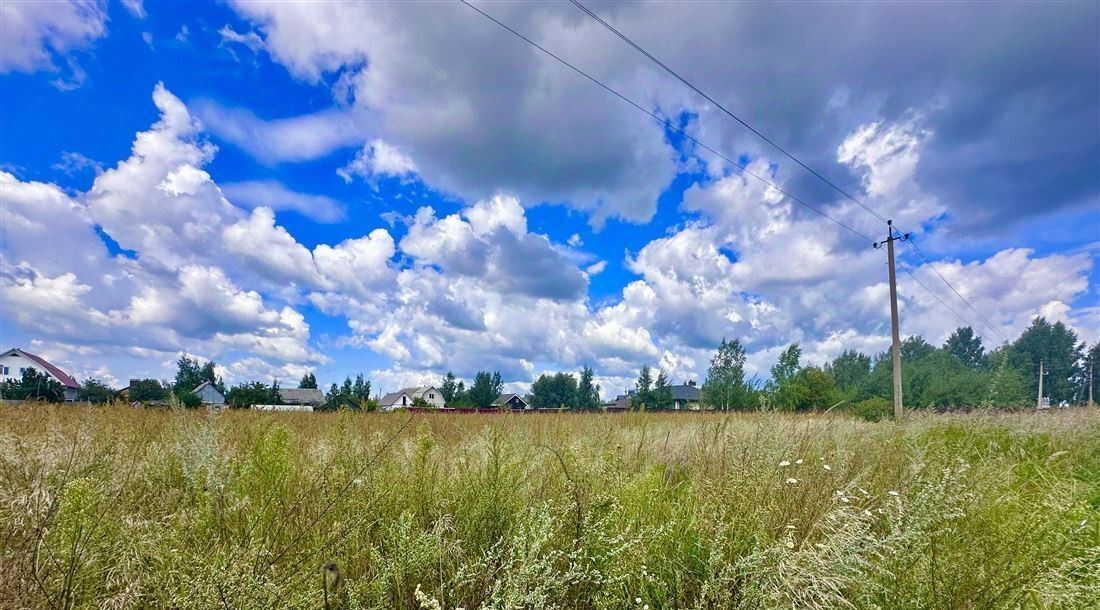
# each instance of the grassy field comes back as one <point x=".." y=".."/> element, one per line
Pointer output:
<point x="122" y="508"/>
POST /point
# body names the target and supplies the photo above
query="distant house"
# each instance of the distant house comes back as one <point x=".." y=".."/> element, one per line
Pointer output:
<point x="209" y="394"/>
<point x="510" y="401"/>
<point x="302" y="396"/>
<point x="686" y="396"/>
<point x="621" y="403"/>
<point x="405" y="397"/>
<point x="14" y="361"/>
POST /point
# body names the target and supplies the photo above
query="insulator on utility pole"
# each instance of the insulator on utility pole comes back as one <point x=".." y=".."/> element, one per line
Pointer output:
<point x="895" y="333"/>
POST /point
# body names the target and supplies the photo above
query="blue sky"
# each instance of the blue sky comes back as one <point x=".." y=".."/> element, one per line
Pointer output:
<point x="405" y="190"/>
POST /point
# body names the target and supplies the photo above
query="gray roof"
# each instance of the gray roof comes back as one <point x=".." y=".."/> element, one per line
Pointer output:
<point x="390" y="398"/>
<point x="302" y="396"/>
<point x="393" y="397"/>
<point x="504" y="398"/>
<point x="685" y="392"/>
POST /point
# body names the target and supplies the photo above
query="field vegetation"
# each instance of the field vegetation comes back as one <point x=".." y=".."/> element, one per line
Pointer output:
<point x="114" y="507"/>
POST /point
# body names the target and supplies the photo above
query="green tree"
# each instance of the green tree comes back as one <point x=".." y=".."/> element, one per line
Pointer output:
<point x="485" y="389"/>
<point x="95" y="391"/>
<point x="245" y="395"/>
<point x="360" y="389"/>
<point x="813" y="388"/>
<point x="781" y="387"/>
<point x="1005" y="385"/>
<point x="588" y="392"/>
<point x="1057" y="347"/>
<point x="308" y="382"/>
<point x="190" y="375"/>
<point x="725" y="387"/>
<point x="448" y="388"/>
<point x="33" y="385"/>
<point x="643" y="389"/>
<point x="966" y="346"/>
<point x="662" y="392"/>
<point x="147" y="390"/>
<point x="554" y="391"/>
<point x="850" y="371"/>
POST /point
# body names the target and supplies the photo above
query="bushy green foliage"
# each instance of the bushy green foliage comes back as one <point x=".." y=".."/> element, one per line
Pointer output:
<point x="33" y="385"/>
<point x="123" y="508"/>
<point x="485" y="389"/>
<point x="245" y="395"/>
<point x="726" y="388"/>
<point x="554" y="391"/>
<point x="588" y="391"/>
<point x="961" y="374"/>
<point x="190" y="374"/>
<point x="308" y="382"/>
<point x="95" y="391"/>
<point x="147" y="390"/>
<point x="873" y="409"/>
<point x="189" y="400"/>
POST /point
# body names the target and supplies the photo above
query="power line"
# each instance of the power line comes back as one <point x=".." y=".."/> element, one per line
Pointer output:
<point x="666" y="123"/>
<point x="947" y="307"/>
<point x="843" y="192"/>
<point x="964" y="299"/>
<point x="687" y="83"/>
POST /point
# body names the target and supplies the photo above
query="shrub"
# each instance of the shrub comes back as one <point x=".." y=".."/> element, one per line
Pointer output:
<point x="873" y="409"/>
<point x="145" y="390"/>
<point x="190" y="400"/>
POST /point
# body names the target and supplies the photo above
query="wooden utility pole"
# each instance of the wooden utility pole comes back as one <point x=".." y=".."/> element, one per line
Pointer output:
<point x="1090" y="382"/>
<point x="1039" y="402"/>
<point x="895" y="333"/>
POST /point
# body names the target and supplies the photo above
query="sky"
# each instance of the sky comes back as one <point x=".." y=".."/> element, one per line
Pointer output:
<point x="402" y="190"/>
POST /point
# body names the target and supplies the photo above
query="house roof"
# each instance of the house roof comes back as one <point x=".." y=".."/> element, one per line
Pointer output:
<point x="503" y="399"/>
<point x="302" y="396"/>
<point x="393" y="397"/>
<point x="54" y="372"/>
<point x="685" y="392"/>
<point x="203" y="385"/>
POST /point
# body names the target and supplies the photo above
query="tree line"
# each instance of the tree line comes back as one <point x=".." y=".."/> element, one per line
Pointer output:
<point x="961" y="373"/>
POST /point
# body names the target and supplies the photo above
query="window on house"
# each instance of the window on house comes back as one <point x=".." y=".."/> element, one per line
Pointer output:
<point x="403" y="400"/>
<point x="3" y="370"/>
<point x="430" y="395"/>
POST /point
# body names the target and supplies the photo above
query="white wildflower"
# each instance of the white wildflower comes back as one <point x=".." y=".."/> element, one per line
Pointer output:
<point x="790" y="544"/>
<point x="792" y="481"/>
<point x="784" y="464"/>
<point x="827" y="467"/>
<point x="637" y="600"/>
<point x="844" y="500"/>
<point x="893" y="493"/>
<point x="798" y="461"/>
<point x="791" y="527"/>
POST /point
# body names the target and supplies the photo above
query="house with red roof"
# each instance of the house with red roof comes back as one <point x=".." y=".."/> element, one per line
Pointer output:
<point x="14" y="361"/>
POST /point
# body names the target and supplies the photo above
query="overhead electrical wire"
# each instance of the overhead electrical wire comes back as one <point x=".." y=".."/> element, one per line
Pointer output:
<point x="668" y="124"/>
<point x="719" y="106"/>
<point x="838" y="189"/>
<point x="961" y="297"/>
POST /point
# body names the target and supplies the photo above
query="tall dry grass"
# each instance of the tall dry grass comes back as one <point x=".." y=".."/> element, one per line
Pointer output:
<point x="121" y="508"/>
